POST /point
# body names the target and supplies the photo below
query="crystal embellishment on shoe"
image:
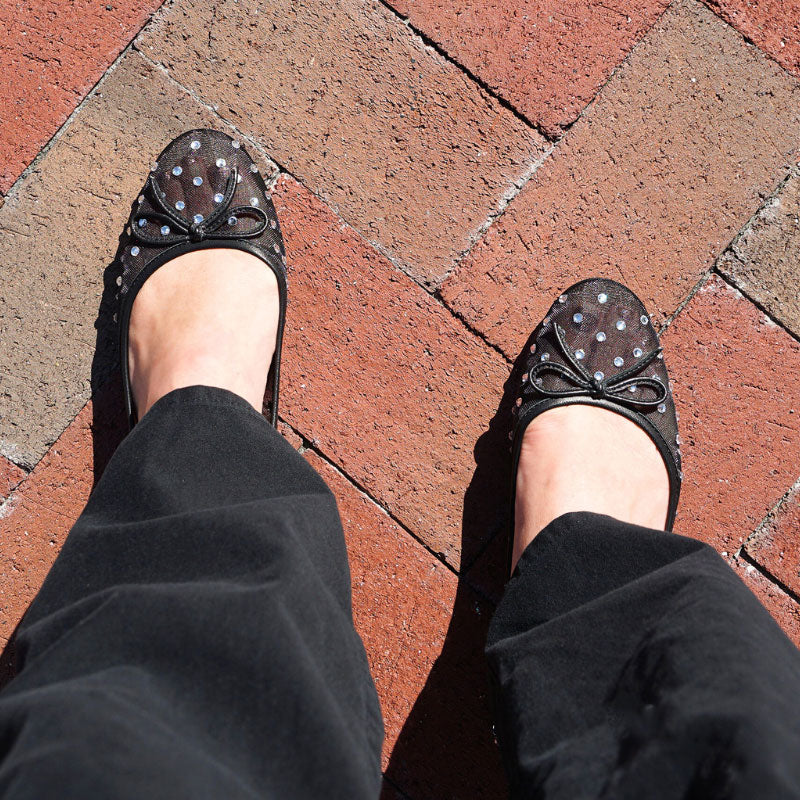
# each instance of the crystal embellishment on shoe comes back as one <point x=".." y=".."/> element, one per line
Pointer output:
<point x="206" y="194"/>
<point x="587" y="341"/>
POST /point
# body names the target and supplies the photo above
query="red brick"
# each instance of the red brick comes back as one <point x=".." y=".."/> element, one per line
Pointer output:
<point x="424" y="638"/>
<point x="294" y="439"/>
<point x="489" y="573"/>
<point x="59" y="230"/>
<point x="776" y="545"/>
<point x="384" y="381"/>
<point x="10" y="476"/>
<point x="402" y="599"/>
<point x="774" y="25"/>
<point x="56" y="50"/>
<point x="37" y="517"/>
<point x="763" y="260"/>
<point x="648" y="187"/>
<point x="400" y="142"/>
<point x="740" y="413"/>
<point x="784" y="609"/>
<point x="548" y="59"/>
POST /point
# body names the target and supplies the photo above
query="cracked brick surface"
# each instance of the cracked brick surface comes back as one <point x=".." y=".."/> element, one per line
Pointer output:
<point x="383" y="380"/>
<point x="56" y="51"/>
<point x="650" y="185"/>
<point x="407" y="149"/>
<point x="547" y="59"/>
<point x="764" y="261"/>
<point x="60" y="231"/>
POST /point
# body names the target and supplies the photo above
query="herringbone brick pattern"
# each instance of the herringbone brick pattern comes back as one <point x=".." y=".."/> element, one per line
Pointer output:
<point x="441" y="170"/>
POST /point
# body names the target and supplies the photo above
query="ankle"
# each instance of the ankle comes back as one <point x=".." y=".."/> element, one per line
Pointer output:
<point x="585" y="458"/>
<point x="207" y="318"/>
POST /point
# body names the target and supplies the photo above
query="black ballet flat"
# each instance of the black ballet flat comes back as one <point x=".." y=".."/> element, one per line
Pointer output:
<point x="204" y="191"/>
<point x="596" y="346"/>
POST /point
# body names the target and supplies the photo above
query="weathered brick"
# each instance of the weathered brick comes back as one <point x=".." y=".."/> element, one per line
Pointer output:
<point x="36" y="518"/>
<point x="784" y="609"/>
<point x="57" y="234"/>
<point x="648" y="187"/>
<point x="424" y="637"/>
<point x="56" y="51"/>
<point x="764" y="261"/>
<point x="383" y="380"/>
<point x="774" y="25"/>
<point x="547" y="59"/>
<point x="776" y="545"/>
<point x="740" y="413"/>
<point x="293" y="438"/>
<point x="410" y="152"/>
<point x="10" y="476"/>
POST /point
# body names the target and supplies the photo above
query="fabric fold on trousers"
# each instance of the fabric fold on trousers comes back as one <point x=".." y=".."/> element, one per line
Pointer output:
<point x="194" y="637"/>
<point x="631" y="663"/>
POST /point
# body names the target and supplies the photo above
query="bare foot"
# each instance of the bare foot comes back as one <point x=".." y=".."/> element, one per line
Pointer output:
<point x="205" y="318"/>
<point x="585" y="458"/>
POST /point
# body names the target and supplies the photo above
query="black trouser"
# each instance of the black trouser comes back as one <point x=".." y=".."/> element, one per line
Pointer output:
<point x="194" y="639"/>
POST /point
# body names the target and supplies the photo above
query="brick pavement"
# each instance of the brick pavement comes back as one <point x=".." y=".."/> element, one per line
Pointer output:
<point x="441" y="171"/>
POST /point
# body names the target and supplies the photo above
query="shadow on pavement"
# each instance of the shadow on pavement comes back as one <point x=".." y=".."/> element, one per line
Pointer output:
<point x="446" y="749"/>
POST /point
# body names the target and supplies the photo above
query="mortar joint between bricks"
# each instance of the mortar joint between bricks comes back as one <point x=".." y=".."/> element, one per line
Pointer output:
<point x="431" y="44"/>
<point x="771" y="515"/>
<point x="728" y="280"/>
<point x="505" y="200"/>
<point x="765" y="573"/>
<point x="440" y="557"/>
